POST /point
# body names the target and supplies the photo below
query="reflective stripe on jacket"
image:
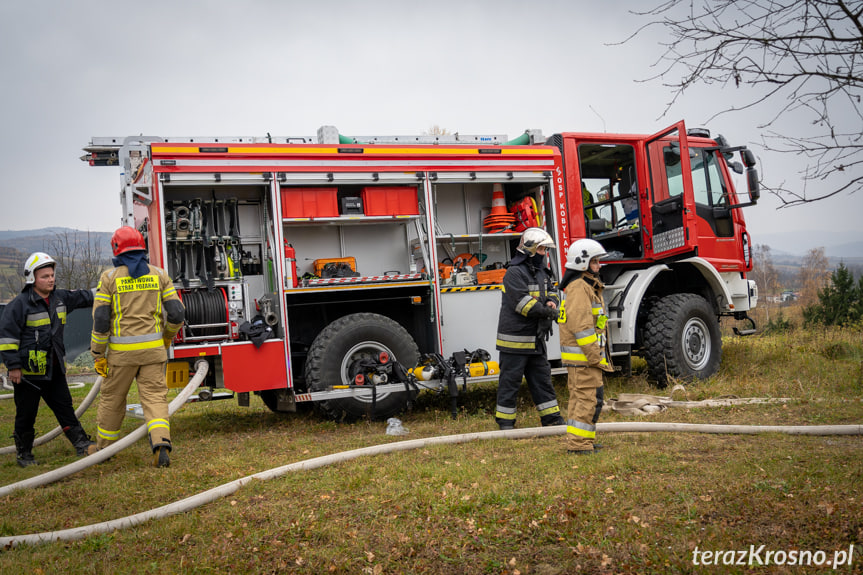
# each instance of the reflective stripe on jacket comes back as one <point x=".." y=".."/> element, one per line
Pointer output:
<point x="132" y="317"/>
<point x="583" y="340"/>
<point x="525" y="292"/>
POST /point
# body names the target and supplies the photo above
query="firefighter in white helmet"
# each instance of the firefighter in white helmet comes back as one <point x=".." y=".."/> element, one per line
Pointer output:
<point x="135" y="316"/>
<point x="32" y="347"/>
<point x="583" y="343"/>
<point x="527" y="312"/>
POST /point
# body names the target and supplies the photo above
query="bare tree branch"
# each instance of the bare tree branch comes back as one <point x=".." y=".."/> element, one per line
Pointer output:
<point x="793" y="56"/>
<point x="79" y="259"/>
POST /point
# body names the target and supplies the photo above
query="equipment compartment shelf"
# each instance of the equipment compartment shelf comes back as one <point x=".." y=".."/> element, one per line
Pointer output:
<point x="348" y="220"/>
<point x="442" y="237"/>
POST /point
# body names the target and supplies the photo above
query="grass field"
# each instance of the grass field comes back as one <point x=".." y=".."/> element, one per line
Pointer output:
<point x="647" y="503"/>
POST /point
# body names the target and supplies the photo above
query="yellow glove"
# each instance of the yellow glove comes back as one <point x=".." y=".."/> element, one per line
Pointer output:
<point x="167" y="341"/>
<point x="101" y="365"/>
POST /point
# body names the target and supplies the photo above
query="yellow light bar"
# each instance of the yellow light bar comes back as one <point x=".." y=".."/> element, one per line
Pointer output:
<point x="296" y="150"/>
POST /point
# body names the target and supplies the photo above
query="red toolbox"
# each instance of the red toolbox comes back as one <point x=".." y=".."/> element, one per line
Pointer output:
<point x="390" y="201"/>
<point x="310" y="202"/>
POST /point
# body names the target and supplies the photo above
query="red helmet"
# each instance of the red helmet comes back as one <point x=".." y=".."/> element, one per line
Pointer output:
<point x="127" y="239"/>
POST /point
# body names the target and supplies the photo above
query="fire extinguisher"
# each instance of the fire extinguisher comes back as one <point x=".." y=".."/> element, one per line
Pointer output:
<point x="290" y="266"/>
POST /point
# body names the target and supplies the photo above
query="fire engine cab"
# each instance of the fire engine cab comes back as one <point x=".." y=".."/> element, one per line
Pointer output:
<point x="350" y="272"/>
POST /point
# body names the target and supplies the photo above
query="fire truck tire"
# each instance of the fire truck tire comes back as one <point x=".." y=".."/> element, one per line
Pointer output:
<point x="682" y="339"/>
<point x="344" y="341"/>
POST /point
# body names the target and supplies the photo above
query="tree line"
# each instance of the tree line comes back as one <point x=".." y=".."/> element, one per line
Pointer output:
<point x="827" y="298"/>
<point x="80" y="260"/>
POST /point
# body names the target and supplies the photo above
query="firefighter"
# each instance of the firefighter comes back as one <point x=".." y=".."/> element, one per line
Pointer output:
<point x="136" y="314"/>
<point x="32" y="347"/>
<point x="528" y="309"/>
<point x="583" y="343"/>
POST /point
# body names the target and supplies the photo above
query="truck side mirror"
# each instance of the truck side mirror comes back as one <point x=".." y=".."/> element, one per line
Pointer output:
<point x="736" y="167"/>
<point x="752" y="184"/>
<point x="748" y="158"/>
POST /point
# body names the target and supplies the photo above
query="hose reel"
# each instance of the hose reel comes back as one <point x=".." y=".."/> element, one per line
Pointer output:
<point x="207" y="314"/>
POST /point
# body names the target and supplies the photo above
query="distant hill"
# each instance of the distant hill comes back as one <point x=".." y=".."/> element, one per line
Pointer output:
<point x="29" y="241"/>
<point x="835" y="244"/>
<point x="849" y="250"/>
<point x="11" y="257"/>
<point x="11" y="234"/>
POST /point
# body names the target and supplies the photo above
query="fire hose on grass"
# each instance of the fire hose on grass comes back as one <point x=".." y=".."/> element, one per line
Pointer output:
<point x="220" y="491"/>
<point x="4" y="384"/>
<point x="201" y="368"/>
<point x="85" y="405"/>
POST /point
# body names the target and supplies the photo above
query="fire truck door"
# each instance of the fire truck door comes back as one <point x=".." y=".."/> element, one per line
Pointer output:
<point x="670" y="197"/>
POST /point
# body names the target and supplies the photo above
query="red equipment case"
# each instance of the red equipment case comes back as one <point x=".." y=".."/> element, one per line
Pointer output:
<point x="310" y="202"/>
<point x="390" y="201"/>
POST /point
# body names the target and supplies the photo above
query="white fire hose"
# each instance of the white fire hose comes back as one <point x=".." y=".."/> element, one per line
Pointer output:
<point x="201" y="368"/>
<point x="94" y="391"/>
<point x="228" y="488"/>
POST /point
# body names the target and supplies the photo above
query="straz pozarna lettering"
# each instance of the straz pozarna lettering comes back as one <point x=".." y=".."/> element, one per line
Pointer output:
<point x="142" y="283"/>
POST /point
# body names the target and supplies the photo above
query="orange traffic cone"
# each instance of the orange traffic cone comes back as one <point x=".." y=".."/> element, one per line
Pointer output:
<point x="499" y="219"/>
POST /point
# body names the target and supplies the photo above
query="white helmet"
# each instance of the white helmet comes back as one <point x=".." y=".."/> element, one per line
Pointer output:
<point x="34" y="262"/>
<point x="533" y="238"/>
<point x="580" y="253"/>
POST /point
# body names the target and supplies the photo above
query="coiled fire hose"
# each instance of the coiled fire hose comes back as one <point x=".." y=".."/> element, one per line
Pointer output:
<point x="220" y="491"/>
<point x="94" y="391"/>
<point x="201" y="368"/>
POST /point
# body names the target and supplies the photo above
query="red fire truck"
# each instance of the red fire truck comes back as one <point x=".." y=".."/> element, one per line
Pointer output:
<point x="322" y="270"/>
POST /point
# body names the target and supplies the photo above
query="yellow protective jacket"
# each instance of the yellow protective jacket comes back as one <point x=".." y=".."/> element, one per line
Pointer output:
<point x="583" y="340"/>
<point x="134" y="317"/>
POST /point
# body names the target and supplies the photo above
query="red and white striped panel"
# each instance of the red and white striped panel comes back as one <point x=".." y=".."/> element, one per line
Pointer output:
<point x="365" y="279"/>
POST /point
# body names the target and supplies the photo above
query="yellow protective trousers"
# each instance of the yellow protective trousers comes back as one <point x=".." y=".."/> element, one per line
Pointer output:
<point x="152" y="392"/>
<point x="585" y="403"/>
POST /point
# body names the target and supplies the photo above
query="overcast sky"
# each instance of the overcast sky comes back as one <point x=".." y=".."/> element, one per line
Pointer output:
<point x="73" y="70"/>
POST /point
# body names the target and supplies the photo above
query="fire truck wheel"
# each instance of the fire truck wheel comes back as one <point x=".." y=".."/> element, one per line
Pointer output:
<point x="681" y="339"/>
<point x="337" y="348"/>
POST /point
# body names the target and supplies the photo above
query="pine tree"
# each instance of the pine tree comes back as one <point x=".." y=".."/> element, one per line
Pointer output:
<point x="839" y="302"/>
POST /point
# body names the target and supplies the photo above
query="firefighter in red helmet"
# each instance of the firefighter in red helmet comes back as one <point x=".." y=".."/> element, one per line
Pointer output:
<point x="136" y="314"/>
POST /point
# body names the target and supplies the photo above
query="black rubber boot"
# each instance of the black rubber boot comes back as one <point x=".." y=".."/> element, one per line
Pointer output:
<point x="82" y="443"/>
<point x="550" y="420"/>
<point x="24" y="448"/>
<point x="161" y="454"/>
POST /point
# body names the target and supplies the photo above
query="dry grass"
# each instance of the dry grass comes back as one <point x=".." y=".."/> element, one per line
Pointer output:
<point x="499" y="506"/>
